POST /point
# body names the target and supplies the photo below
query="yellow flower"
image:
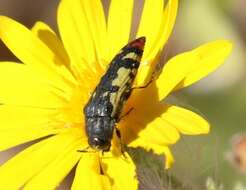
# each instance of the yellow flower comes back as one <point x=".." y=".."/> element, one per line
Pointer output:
<point x="45" y="96"/>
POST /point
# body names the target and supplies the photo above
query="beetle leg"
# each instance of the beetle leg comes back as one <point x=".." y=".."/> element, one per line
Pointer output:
<point x="122" y="149"/>
<point x="127" y="113"/>
<point x="147" y="84"/>
<point x="84" y="150"/>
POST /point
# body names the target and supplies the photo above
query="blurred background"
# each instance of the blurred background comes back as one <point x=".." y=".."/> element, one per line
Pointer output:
<point x="214" y="161"/>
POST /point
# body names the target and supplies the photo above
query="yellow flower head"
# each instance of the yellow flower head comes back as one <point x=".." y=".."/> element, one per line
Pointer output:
<point x="45" y="96"/>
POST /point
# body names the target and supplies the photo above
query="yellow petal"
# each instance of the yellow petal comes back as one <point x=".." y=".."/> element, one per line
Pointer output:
<point x="208" y="58"/>
<point x="21" y="117"/>
<point x="168" y="21"/>
<point x="147" y="125"/>
<point x="185" y="69"/>
<point x="159" y="132"/>
<point x="144" y="71"/>
<point x="48" y="37"/>
<point x="97" y="24"/>
<point x="21" y="85"/>
<point x="152" y="55"/>
<point x="174" y="72"/>
<point x="76" y="36"/>
<point x="148" y="26"/>
<point x="119" y="25"/>
<point x="32" y="160"/>
<point x="16" y="136"/>
<point x="57" y="170"/>
<point x="88" y="177"/>
<point x="187" y="122"/>
<point x="122" y="171"/>
<point x="30" y="49"/>
<point x="157" y="149"/>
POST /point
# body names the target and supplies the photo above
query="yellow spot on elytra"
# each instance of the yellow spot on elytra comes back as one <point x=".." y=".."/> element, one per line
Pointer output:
<point x="123" y="75"/>
<point x="133" y="56"/>
<point x="105" y="94"/>
<point x="123" y="81"/>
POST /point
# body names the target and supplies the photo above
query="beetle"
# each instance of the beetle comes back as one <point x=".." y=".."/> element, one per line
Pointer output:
<point x="104" y="107"/>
